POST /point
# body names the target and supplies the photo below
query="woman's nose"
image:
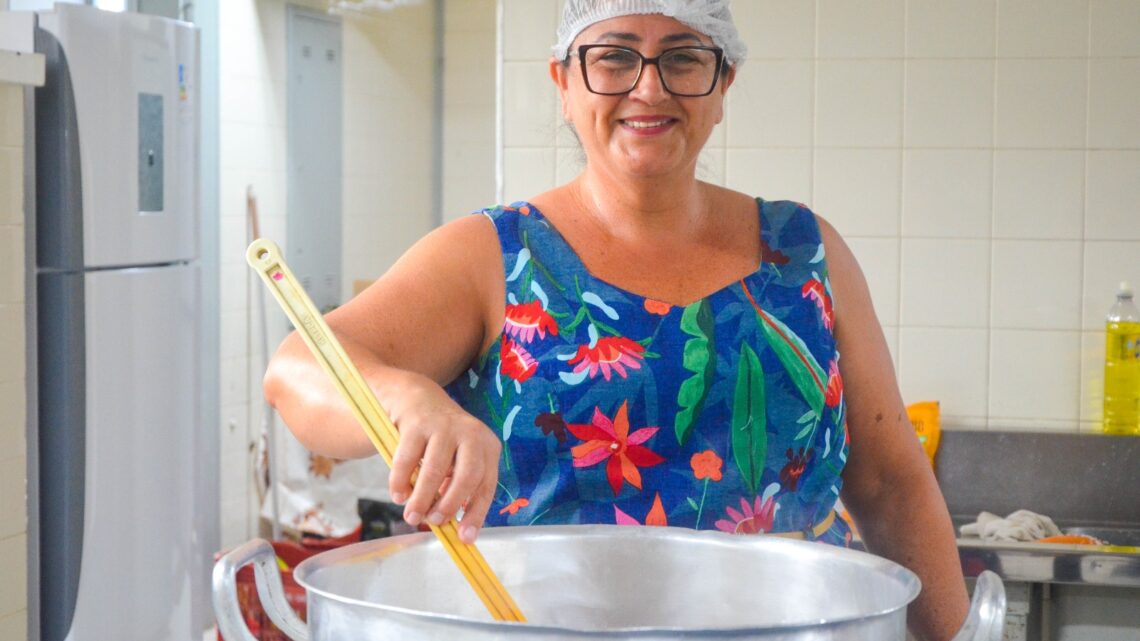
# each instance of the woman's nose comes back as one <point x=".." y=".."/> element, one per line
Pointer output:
<point x="649" y="88"/>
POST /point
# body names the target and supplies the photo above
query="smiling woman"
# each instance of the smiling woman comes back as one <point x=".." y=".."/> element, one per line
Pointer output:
<point x="637" y="345"/>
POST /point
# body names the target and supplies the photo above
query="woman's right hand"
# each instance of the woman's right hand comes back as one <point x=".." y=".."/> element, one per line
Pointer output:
<point x="457" y="456"/>
<point x="394" y="335"/>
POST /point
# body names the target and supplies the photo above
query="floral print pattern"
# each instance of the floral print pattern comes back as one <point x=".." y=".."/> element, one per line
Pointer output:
<point x="610" y="440"/>
<point x="524" y="320"/>
<point x="726" y="413"/>
<point x="750" y="520"/>
<point x="610" y="354"/>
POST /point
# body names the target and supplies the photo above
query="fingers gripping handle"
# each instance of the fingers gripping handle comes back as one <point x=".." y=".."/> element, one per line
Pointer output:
<point x="269" y="590"/>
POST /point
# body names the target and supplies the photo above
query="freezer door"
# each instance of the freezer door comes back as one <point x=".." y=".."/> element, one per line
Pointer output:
<point x="133" y="124"/>
<point x="142" y="555"/>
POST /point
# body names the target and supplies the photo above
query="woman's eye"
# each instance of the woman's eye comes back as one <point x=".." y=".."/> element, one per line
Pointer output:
<point x="619" y="58"/>
<point x="682" y="59"/>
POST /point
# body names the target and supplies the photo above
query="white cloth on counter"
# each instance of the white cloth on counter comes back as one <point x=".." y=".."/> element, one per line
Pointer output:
<point x="317" y="494"/>
<point x="1022" y="525"/>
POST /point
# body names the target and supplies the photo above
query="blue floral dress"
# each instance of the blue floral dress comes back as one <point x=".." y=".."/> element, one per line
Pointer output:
<point x="727" y="413"/>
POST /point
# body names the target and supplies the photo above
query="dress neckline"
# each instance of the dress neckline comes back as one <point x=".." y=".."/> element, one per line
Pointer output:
<point x="535" y="212"/>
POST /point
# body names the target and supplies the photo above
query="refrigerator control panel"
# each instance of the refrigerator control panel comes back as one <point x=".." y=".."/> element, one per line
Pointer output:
<point x="150" y="153"/>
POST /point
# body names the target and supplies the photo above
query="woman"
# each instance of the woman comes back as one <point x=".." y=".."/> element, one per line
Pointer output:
<point x="668" y="352"/>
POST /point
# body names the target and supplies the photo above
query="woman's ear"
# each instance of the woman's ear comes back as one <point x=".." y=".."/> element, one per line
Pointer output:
<point x="724" y="84"/>
<point x="560" y="74"/>
<point x="728" y="79"/>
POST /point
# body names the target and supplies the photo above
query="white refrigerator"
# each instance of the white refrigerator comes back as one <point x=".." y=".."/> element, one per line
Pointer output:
<point x="124" y="516"/>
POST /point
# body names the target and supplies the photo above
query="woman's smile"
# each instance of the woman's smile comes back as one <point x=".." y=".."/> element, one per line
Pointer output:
<point x="647" y="125"/>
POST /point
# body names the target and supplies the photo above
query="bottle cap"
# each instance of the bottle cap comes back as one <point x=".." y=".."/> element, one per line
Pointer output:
<point x="1125" y="290"/>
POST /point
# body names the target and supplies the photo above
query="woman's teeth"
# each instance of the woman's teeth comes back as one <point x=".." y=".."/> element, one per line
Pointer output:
<point x="645" y="124"/>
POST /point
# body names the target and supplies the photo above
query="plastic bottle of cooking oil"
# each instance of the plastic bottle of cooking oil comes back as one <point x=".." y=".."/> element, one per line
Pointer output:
<point x="1122" y="366"/>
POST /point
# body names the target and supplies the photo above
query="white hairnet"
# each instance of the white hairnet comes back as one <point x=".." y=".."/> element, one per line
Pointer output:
<point x="710" y="17"/>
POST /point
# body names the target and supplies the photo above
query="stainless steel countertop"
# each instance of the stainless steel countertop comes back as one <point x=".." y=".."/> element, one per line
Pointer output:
<point x="1106" y="565"/>
<point x="1087" y="483"/>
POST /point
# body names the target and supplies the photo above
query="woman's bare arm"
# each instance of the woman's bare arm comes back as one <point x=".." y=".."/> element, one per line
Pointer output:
<point x="412" y="331"/>
<point x="889" y="486"/>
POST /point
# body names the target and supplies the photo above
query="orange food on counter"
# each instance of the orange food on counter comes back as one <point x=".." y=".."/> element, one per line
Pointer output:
<point x="1071" y="539"/>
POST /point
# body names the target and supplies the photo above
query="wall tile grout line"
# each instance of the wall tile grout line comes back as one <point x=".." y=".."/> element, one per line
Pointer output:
<point x="993" y="209"/>
<point x="1083" y="377"/>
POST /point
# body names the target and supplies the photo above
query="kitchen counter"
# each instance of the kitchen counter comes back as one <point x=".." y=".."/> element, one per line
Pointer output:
<point x="1104" y="565"/>
<point x="1088" y="484"/>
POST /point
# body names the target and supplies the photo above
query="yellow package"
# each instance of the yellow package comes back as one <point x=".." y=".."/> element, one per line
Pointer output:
<point x="924" y="416"/>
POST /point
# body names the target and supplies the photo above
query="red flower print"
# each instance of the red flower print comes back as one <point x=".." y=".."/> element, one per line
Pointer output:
<point x="834" y="391"/>
<point x="814" y="289"/>
<point x="552" y="423"/>
<point x="517" y="362"/>
<point x="656" y="515"/>
<point x="657" y="307"/>
<point x="606" y="439"/>
<point x="522" y="321"/>
<point x="706" y="465"/>
<point x="611" y="353"/>
<point x="515" y="506"/>
<point x="752" y="520"/>
<point x="792" y="472"/>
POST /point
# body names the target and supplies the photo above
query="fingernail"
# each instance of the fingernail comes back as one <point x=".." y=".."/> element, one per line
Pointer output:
<point x="435" y="518"/>
<point x="413" y="518"/>
<point x="468" y="534"/>
<point x="399" y="498"/>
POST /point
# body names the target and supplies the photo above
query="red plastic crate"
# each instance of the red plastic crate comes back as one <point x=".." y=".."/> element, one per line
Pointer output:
<point x="291" y="554"/>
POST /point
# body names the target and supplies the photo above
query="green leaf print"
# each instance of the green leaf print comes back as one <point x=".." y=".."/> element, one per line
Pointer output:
<point x="749" y="419"/>
<point x="699" y="358"/>
<point x="572" y="325"/>
<point x="802" y="367"/>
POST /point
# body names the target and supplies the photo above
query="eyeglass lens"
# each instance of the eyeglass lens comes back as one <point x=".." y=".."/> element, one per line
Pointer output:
<point x="685" y="71"/>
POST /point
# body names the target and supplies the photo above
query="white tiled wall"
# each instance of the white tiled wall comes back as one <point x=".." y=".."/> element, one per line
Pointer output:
<point x="252" y="144"/>
<point x="468" y="106"/>
<point x="982" y="158"/>
<point x="13" y="457"/>
<point x="386" y="189"/>
<point x="389" y="90"/>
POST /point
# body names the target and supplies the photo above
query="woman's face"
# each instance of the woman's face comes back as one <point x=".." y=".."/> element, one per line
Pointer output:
<point x="647" y="132"/>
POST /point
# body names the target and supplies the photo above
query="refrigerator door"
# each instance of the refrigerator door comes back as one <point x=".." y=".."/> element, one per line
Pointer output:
<point x="141" y="552"/>
<point x="133" y="80"/>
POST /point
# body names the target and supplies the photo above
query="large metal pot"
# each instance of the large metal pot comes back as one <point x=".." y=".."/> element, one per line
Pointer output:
<point x="596" y="582"/>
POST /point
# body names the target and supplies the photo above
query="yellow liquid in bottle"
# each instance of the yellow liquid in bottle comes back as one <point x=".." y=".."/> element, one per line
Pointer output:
<point x="1122" y="379"/>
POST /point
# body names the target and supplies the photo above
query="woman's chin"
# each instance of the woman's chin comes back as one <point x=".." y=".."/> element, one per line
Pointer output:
<point x="653" y="164"/>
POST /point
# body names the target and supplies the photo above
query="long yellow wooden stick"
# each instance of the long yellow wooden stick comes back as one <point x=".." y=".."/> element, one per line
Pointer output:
<point x="265" y="258"/>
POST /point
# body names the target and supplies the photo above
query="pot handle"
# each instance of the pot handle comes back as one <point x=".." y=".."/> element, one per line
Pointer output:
<point x="269" y="591"/>
<point x="986" y="618"/>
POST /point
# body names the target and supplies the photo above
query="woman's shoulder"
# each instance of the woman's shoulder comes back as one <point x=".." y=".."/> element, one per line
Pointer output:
<point x="784" y="213"/>
<point x="774" y="213"/>
<point x="467" y="246"/>
<point x="467" y="229"/>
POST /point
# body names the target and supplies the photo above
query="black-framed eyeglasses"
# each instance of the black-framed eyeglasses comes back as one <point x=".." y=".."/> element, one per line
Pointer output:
<point x="612" y="70"/>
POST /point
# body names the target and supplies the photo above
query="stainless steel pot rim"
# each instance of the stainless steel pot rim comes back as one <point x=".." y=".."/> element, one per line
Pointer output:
<point x="907" y="578"/>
